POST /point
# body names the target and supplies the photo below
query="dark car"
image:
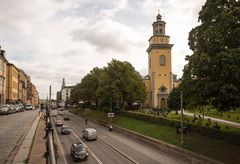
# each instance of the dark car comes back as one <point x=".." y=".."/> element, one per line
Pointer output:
<point x="79" y="152"/>
<point x="65" y="130"/>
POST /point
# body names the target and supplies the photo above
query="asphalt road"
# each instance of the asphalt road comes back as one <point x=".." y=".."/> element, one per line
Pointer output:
<point x="110" y="147"/>
<point x="13" y="129"/>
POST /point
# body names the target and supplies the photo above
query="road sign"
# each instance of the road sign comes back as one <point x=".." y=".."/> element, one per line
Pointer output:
<point x="110" y="114"/>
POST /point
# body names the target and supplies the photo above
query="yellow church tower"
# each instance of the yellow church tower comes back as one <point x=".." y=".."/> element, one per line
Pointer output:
<point x="159" y="81"/>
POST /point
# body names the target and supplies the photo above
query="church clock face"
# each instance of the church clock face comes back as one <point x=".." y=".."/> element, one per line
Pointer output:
<point x="163" y="89"/>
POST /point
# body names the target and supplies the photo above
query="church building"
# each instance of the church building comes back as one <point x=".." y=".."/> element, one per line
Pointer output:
<point x="159" y="81"/>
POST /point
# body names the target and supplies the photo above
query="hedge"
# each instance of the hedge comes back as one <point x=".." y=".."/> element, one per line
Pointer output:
<point x="229" y="137"/>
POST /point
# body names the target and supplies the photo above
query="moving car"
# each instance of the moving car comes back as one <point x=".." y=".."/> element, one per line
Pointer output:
<point x="60" y="111"/>
<point x="90" y="134"/>
<point x="59" y="123"/>
<point x="79" y="152"/>
<point x="66" y="117"/>
<point x="65" y="130"/>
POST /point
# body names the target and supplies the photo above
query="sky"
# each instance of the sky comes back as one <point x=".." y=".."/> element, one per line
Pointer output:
<point x="55" y="39"/>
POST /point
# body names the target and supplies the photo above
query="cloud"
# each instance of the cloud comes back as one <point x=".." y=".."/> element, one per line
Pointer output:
<point x="53" y="39"/>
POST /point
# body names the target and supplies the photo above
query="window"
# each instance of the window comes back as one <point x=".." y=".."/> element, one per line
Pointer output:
<point x="149" y="62"/>
<point x="160" y="31"/>
<point x="162" y="60"/>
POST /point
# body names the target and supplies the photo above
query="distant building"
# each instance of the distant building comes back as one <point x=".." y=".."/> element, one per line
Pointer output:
<point x="3" y="76"/>
<point x="65" y="93"/>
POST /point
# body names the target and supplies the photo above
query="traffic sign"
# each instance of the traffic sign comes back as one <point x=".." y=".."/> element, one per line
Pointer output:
<point x="110" y="114"/>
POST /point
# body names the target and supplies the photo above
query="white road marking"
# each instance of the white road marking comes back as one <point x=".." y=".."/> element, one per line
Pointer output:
<point x="98" y="160"/>
<point x="119" y="151"/>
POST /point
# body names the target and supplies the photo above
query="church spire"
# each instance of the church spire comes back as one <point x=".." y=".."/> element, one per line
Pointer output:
<point x="159" y="25"/>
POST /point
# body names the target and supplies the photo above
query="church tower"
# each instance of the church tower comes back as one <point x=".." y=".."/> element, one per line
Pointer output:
<point x="159" y="66"/>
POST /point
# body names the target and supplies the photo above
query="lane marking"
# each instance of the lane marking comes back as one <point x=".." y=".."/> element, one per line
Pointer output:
<point x="94" y="155"/>
<point x="60" y="144"/>
<point x="119" y="151"/>
<point x="98" y="160"/>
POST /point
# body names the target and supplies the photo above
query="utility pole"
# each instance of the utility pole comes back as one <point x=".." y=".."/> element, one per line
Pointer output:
<point x="182" y="141"/>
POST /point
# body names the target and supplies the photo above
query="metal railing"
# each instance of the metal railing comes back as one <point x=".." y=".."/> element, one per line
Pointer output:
<point x="50" y="157"/>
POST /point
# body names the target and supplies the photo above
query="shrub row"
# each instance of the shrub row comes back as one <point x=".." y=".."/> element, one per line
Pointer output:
<point x="229" y="137"/>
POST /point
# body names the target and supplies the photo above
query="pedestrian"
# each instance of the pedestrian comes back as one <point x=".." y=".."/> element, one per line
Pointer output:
<point x="86" y="120"/>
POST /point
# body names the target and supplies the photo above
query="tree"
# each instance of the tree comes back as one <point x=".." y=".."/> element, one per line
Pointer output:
<point x="210" y="77"/>
<point x="174" y="100"/>
<point x="122" y="83"/>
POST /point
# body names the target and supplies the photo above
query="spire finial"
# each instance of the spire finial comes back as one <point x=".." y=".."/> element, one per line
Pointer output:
<point x="158" y="11"/>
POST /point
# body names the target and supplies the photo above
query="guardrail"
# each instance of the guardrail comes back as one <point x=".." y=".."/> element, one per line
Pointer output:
<point x="50" y="157"/>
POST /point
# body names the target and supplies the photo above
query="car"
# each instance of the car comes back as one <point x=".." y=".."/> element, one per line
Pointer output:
<point x="65" y="130"/>
<point x="59" y="123"/>
<point x="79" y="152"/>
<point x="28" y="107"/>
<point x="90" y="134"/>
<point x="66" y="117"/>
<point x="4" y="109"/>
<point x="60" y="111"/>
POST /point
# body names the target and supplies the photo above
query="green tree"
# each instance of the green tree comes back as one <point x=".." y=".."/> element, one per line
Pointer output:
<point x="174" y="100"/>
<point x="122" y="83"/>
<point x="210" y="77"/>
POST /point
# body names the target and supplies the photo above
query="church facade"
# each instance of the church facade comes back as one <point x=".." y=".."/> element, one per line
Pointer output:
<point x="159" y="81"/>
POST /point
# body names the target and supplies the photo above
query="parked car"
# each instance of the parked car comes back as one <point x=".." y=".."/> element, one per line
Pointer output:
<point x="65" y="130"/>
<point x="90" y="134"/>
<point x="4" y="109"/>
<point x="28" y="107"/>
<point x="79" y="152"/>
<point x="59" y="123"/>
<point x="19" y="107"/>
<point x="12" y="108"/>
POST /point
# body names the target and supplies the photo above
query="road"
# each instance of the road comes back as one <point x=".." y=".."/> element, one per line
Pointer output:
<point x="110" y="147"/>
<point x="13" y="130"/>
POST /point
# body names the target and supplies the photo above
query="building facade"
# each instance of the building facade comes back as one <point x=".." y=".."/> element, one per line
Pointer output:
<point x="3" y="76"/>
<point x="64" y="94"/>
<point x="12" y="84"/>
<point x="159" y="80"/>
<point x="22" y="86"/>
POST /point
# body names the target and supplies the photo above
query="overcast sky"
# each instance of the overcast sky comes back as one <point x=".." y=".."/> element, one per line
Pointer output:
<point x="52" y="39"/>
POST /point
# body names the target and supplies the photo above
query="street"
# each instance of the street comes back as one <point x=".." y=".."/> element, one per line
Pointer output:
<point x="13" y="130"/>
<point x="110" y="147"/>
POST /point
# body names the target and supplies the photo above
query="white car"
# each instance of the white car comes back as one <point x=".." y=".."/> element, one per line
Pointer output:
<point x="90" y="134"/>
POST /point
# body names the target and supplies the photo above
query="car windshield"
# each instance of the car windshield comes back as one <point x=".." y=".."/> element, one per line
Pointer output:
<point x="65" y="127"/>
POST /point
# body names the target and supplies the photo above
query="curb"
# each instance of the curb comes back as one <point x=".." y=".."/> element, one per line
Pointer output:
<point x="178" y="152"/>
<point x="24" y="151"/>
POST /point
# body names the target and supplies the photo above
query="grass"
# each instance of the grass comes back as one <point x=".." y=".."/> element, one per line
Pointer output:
<point x="209" y="147"/>
<point x="203" y="122"/>
<point x="213" y="113"/>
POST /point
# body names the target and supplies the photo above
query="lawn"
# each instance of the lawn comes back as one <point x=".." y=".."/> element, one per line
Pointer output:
<point x="212" y="148"/>
<point x="225" y="115"/>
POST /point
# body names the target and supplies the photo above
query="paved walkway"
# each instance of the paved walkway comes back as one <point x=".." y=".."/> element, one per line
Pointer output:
<point x="216" y="119"/>
<point x="38" y="147"/>
<point x="23" y="152"/>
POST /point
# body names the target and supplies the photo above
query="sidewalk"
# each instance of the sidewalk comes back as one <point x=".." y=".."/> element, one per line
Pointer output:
<point x="38" y="146"/>
<point x="216" y="119"/>
<point x="24" y="150"/>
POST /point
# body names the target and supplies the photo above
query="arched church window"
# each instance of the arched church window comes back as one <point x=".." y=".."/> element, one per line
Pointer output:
<point x="162" y="60"/>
